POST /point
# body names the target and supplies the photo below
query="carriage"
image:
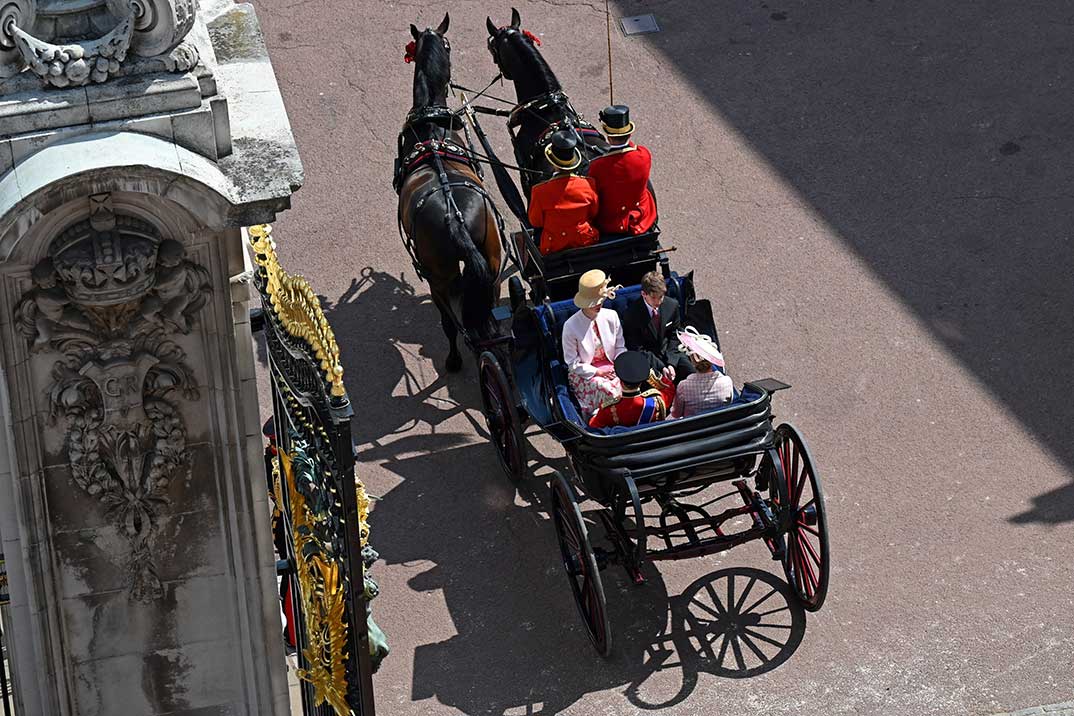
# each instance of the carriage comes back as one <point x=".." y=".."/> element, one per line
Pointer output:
<point x="655" y="485"/>
<point x="670" y="490"/>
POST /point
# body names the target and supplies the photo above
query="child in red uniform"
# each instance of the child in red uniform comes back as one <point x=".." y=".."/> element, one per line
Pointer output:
<point x="645" y="398"/>
<point x="622" y="176"/>
<point x="565" y="205"/>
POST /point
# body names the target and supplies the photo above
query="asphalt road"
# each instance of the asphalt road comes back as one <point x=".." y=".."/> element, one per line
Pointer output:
<point x="878" y="199"/>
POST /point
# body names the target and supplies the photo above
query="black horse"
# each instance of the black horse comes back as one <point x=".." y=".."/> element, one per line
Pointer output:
<point x="444" y="210"/>
<point x="542" y="108"/>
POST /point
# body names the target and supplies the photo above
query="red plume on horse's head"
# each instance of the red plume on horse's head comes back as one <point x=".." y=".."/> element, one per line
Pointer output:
<point x="411" y="48"/>
<point x="532" y="38"/>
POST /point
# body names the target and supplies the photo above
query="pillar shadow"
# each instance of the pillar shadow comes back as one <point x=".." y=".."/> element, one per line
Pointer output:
<point x="380" y="321"/>
<point x="934" y="138"/>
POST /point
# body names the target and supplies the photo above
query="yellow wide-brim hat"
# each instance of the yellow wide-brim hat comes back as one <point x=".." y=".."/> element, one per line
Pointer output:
<point x="593" y="289"/>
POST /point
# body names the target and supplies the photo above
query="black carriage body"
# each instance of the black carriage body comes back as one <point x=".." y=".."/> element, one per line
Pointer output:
<point x="668" y="463"/>
<point x="554" y="277"/>
<point x="660" y="458"/>
<point x="624" y="468"/>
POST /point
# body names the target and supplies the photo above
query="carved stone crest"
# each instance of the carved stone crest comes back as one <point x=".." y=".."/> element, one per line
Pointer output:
<point x="31" y="36"/>
<point x="108" y="299"/>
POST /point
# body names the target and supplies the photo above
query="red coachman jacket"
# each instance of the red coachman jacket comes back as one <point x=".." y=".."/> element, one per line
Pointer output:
<point x="626" y="204"/>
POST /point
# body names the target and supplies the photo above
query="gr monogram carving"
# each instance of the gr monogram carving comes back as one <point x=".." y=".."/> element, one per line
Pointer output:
<point x="107" y="300"/>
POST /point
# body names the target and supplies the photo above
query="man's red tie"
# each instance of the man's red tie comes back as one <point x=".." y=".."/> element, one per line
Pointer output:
<point x="656" y="322"/>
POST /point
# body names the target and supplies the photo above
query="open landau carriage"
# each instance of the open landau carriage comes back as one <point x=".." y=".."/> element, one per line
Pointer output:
<point x="668" y="490"/>
<point x="658" y="486"/>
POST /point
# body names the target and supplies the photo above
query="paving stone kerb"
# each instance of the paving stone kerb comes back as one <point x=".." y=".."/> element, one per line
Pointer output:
<point x="1066" y="708"/>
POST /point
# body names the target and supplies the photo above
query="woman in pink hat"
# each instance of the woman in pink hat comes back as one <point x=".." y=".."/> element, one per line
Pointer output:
<point x="709" y="387"/>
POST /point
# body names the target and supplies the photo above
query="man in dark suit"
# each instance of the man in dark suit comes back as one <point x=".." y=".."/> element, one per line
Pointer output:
<point x="650" y="325"/>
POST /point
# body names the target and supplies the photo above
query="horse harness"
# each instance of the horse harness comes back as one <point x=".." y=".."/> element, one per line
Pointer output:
<point x="572" y="121"/>
<point x="435" y="151"/>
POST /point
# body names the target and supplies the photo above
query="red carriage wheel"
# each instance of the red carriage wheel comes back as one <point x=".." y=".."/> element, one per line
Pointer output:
<point x="805" y="558"/>
<point x="581" y="564"/>
<point x="501" y="417"/>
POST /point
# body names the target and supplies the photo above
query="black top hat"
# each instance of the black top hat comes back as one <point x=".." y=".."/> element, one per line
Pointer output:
<point x="563" y="152"/>
<point x="616" y="120"/>
<point x="269" y="429"/>
<point x="632" y="368"/>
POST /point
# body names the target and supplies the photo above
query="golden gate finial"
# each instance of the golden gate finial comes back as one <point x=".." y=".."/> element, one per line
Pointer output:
<point x="297" y="308"/>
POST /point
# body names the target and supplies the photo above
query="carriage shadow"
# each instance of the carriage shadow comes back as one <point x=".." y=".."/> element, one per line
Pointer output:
<point x="489" y="547"/>
<point x="734" y="623"/>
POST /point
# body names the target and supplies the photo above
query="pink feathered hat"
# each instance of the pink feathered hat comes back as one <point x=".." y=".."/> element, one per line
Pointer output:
<point x="700" y="346"/>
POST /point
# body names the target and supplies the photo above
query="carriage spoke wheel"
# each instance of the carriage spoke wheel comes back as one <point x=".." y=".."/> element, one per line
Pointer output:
<point x="501" y="417"/>
<point x="805" y="559"/>
<point x="581" y="565"/>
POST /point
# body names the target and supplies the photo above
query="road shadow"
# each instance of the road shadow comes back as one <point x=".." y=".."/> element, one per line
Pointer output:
<point x="380" y="321"/>
<point x="935" y="138"/>
<point x="520" y="647"/>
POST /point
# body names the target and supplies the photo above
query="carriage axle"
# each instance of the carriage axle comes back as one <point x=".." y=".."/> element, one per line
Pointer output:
<point x="766" y="526"/>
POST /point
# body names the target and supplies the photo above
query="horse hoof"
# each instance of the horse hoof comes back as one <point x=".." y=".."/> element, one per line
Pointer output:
<point x="454" y="363"/>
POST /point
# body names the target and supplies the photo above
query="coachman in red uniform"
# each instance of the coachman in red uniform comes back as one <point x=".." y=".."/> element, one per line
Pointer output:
<point x="646" y="398"/>
<point x="565" y="206"/>
<point x="627" y="206"/>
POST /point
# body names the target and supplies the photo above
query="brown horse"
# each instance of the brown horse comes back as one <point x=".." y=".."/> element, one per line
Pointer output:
<point x="444" y="210"/>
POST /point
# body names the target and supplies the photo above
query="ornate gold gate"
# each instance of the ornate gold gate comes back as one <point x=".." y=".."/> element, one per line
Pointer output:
<point x="321" y="503"/>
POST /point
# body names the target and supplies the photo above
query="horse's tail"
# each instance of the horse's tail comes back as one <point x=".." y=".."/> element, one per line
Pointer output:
<point x="477" y="279"/>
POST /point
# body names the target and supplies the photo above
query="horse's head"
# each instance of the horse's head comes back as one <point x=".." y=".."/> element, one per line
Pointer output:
<point x="514" y="50"/>
<point x="431" y="54"/>
<point x="505" y="58"/>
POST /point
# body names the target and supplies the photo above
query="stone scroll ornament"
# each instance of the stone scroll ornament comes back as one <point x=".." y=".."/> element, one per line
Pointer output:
<point x="146" y="28"/>
<point x="108" y="300"/>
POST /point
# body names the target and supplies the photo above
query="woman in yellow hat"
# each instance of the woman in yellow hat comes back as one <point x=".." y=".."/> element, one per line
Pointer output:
<point x="592" y="340"/>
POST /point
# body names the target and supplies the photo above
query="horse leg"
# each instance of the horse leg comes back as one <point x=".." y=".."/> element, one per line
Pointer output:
<point x="454" y="358"/>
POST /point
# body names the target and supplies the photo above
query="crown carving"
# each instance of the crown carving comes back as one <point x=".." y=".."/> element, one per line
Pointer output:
<point x="106" y="266"/>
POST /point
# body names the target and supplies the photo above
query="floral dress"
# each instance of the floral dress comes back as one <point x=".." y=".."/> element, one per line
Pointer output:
<point x="591" y="393"/>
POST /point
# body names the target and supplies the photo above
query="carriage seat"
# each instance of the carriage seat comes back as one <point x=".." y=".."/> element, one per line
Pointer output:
<point x="554" y="315"/>
<point x="569" y="406"/>
<point x="562" y="310"/>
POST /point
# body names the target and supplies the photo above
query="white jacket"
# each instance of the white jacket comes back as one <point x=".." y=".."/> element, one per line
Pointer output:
<point x="580" y="341"/>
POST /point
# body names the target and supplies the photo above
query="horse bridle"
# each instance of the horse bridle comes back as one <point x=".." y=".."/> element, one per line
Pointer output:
<point x="502" y="34"/>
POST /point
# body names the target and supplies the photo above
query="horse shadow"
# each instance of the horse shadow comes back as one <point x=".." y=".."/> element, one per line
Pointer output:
<point x="520" y="646"/>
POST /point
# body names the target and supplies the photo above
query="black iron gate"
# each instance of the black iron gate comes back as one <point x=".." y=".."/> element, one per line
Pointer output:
<point x="321" y="504"/>
<point x="7" y="695"/>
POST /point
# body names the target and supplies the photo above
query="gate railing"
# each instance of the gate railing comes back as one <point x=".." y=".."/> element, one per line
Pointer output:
<point x="7" y="692"/>
<point x="323" y="506"/>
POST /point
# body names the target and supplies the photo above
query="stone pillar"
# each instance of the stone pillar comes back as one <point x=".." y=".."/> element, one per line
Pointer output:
<point x="137" y="138"/>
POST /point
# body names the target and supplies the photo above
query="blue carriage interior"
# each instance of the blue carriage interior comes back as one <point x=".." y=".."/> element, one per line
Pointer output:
<point x="551" y="318"/>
